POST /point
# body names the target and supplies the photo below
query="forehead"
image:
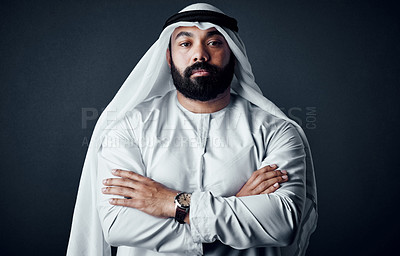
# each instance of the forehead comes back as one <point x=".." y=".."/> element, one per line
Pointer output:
<point x="194" y="32"/>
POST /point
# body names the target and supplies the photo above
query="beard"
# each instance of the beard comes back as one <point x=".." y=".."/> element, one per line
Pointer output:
<point x="203" y="88"/>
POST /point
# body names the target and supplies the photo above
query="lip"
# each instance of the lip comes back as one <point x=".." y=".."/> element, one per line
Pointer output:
<point x="200" y="72"/>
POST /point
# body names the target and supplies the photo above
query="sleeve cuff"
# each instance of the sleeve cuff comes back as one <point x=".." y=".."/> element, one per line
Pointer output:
<point x="195" y="248"/>
<point x="199" y="219"/>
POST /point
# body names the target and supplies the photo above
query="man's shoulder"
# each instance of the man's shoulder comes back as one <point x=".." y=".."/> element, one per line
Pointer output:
<point x="257" y="115"/>
<point x="155" y="103"/>
<point x="148" y="110"/>
<point x="276" y="130"/>
<point x="151" y="108"/>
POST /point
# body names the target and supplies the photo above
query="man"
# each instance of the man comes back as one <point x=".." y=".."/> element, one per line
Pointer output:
<point x="210" y="168"/>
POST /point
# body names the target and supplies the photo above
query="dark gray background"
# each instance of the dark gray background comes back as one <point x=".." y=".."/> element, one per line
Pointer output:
<point x="339" y="58"/>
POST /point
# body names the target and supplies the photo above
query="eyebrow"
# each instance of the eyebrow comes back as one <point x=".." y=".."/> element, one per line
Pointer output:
<point x="213" y="33"/>
<point x="189" y="34"/>
<point x="184" y="33"/>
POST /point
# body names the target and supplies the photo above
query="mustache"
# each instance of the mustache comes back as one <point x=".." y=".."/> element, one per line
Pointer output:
<point x="200" y="65"/>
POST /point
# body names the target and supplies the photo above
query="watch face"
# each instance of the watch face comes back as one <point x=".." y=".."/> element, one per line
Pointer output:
<point x="184" y="199"/>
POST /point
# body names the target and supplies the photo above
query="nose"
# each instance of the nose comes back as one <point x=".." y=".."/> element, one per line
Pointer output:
<point x="200" y="53"/>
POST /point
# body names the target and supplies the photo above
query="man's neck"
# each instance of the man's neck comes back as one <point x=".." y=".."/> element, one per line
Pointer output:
<point x="211" y="106"/>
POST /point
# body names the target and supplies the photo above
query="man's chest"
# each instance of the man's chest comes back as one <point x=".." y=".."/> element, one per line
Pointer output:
<point x="212" y="158"/>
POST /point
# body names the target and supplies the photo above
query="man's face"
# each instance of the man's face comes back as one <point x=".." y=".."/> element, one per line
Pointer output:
<point x="201" y="62"/>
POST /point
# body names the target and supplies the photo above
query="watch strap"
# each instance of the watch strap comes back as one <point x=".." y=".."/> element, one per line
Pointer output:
<point x="180" y="214"/>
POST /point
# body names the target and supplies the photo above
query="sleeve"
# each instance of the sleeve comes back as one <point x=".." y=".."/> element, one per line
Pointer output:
<point x="260" y="220"/>
<point x="123" y="226"/>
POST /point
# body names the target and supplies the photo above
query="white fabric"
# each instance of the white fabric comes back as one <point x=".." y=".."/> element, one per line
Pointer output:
<point x="211" y="155"/>
<point x="151" y="77"/>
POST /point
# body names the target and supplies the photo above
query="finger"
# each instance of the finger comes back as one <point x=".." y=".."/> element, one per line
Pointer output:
<point x="122" y="182"/>
<point x="119" y="191"/>
<point x="133" y="203"/>
<point x="271" y="189"/>
<point x="268" y="183"/>
<point x="269" y="168"/>
<point x="269" y="175"/>
<point x="260" y="171"/>
<point x="129" y="175"/>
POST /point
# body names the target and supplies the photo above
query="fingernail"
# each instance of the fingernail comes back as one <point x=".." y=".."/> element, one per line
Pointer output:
<point x="104" y="189"/>
<point x="105" y="181"/>
<point x="113" y="170"/>
<point x="284" y="177"/>
<point x="111" y="201"/>
<point x="276" y="185"/>
<point x="273" y="165"/>
<point x="284" y="171"/>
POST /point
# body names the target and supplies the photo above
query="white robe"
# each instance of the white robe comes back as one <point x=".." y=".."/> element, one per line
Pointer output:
<point x="151" y="77"/>
<point x="211" y="155"/>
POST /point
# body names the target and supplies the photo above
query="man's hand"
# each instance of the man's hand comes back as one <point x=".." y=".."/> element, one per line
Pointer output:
<point x="141" y="193"/>
<point x="263" y="181"/>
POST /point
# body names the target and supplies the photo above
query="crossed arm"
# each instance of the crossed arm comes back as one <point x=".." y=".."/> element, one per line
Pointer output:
<point x="155" y="199"/>
<point x="146" y="219"/>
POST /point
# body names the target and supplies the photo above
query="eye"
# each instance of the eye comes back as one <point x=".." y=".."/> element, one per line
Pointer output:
<point x="184" y="44"/>
<point x="215" y="43"/>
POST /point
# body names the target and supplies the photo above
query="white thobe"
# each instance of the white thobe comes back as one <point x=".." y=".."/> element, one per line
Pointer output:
<point x="211" y="155"/>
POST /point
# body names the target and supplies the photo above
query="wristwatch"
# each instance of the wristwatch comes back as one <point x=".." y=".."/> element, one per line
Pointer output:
<point x="182" y="202"/>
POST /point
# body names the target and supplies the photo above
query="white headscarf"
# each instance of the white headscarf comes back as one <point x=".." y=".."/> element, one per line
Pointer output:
<point x="151" y="77"/>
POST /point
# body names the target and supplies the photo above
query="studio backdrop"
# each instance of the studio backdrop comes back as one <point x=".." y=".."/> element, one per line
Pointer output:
<point x="332" y="66"/>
